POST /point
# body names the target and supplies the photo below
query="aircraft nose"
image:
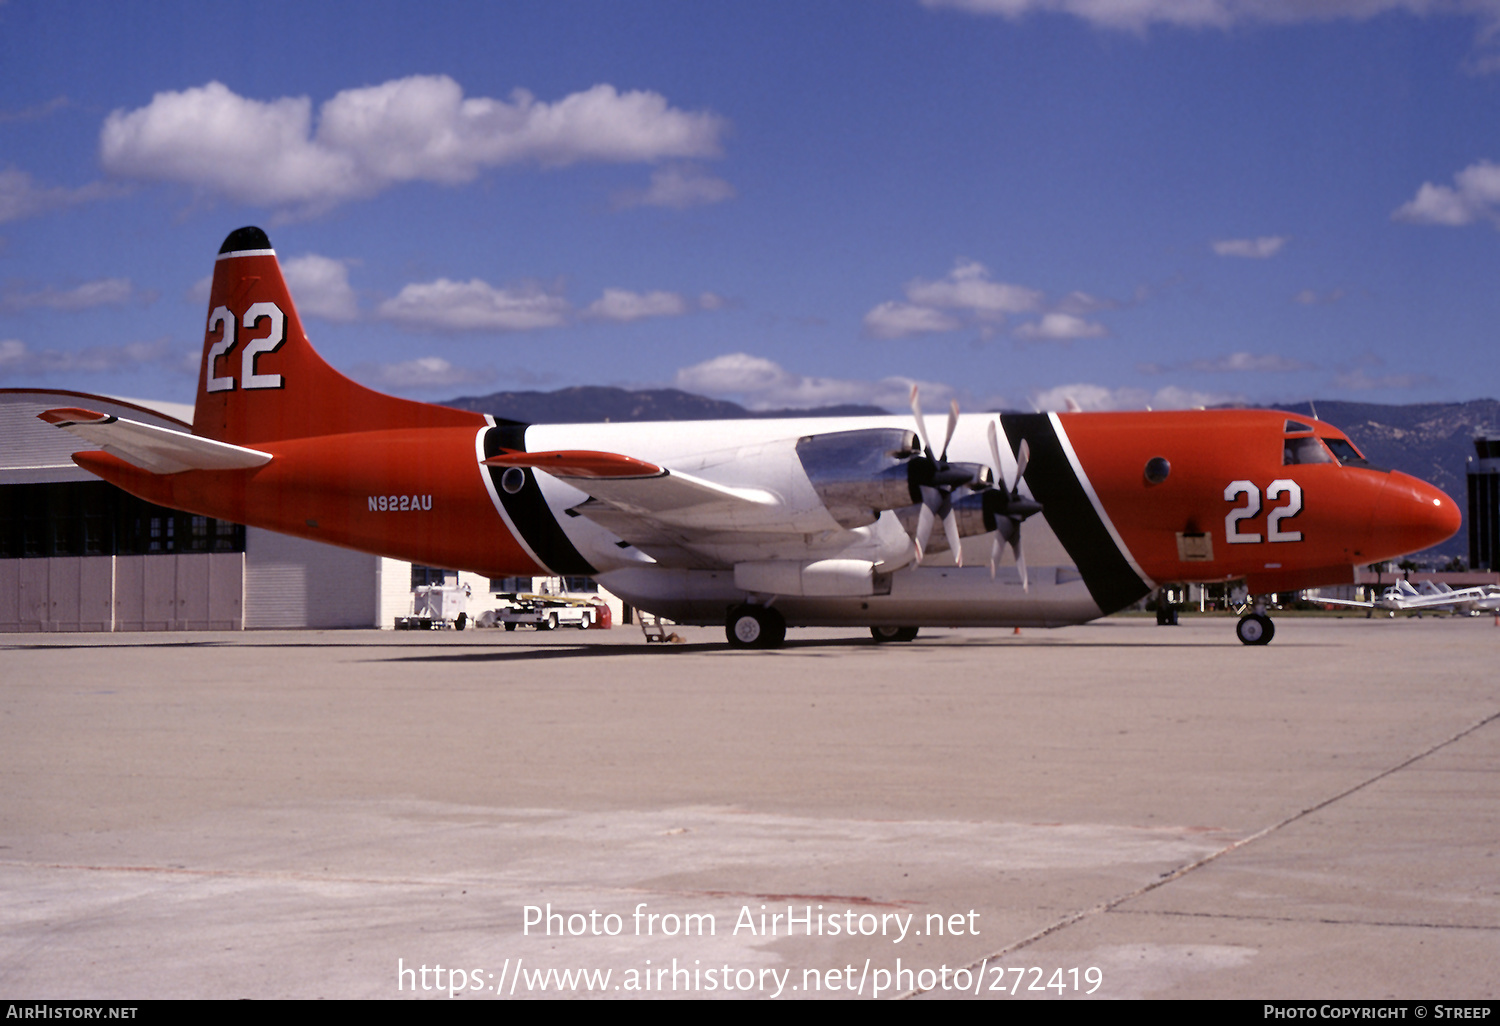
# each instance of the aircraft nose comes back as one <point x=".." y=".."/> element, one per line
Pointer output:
<point x="1411" y="515"/>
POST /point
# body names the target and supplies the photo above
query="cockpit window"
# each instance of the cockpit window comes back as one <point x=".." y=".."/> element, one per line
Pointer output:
<point x="1304" y="450"/>
<point x="1296" y="425"/>
<point x="1345" y="452"/>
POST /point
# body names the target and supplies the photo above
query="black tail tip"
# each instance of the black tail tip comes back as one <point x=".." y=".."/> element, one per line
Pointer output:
<point x="245" y="238"/>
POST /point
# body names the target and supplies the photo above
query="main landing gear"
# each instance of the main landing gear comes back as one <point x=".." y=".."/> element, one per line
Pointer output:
<point x="1255" y="628"/>
<point x="884" y="634"/>
<point x="750" y="626"/>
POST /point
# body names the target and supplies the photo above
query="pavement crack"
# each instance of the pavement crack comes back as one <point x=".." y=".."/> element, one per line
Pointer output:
<point x="1327" y="920"/>
<point x="1182" y="871"/>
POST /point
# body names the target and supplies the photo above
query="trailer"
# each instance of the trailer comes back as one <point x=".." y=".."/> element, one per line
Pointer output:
<point x="546" y="613"/>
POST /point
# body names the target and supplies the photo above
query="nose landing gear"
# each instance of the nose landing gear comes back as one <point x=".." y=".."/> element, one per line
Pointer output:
<point x="1256" y="628"/>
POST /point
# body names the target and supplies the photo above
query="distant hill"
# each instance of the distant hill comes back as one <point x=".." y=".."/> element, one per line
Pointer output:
<point x="596" y="404"/>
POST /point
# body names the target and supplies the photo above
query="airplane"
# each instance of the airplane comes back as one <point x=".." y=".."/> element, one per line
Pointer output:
<point x="1402" y="597"/>
<point x="761" y="525"/>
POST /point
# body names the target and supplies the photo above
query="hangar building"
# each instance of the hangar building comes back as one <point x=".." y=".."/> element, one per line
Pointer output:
<point x="77" y="553"/>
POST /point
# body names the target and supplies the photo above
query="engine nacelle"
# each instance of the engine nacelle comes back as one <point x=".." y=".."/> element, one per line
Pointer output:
<point x="857" y="474"/>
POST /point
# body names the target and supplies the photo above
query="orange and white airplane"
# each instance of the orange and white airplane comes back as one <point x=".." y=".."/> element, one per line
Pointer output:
<point x="765" y="524"/>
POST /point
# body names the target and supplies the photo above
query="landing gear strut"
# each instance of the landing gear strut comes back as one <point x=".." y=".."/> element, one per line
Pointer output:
<point x="750" y="626"/>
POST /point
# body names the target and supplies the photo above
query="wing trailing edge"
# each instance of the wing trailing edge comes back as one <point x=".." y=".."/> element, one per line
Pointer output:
<point x="155" y="449"/>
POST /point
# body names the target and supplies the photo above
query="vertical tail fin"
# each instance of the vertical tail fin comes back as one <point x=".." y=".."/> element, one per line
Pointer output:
<point x="261" y="380"/>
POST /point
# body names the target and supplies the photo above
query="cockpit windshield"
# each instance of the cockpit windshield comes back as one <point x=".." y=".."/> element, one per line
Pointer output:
<point x="1306" y="449"/>
<point x="1346" y="453"/>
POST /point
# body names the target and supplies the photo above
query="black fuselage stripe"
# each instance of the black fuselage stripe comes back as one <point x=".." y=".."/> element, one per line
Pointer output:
<point x="1071" y="514"/>
<point x="528" y="508"/>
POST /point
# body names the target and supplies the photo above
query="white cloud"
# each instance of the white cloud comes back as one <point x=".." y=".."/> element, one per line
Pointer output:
<point x="1097" y="397"/>
<point x="1475" y="194"/>
<point x="475" y="305"/>
<point x="966" y="296"/>
<point x="968" y="287"/>
<point x="103" y="292"/>
<point x="1311" y="297"/>
<point x="1258" y="362"/>
<point x="320" y="287"/>
<point x="1365" y="373"/>
<point x="1361" y="380"/>
<point x="16" y="358"/>
<point x="1061" y="327"/>
<point x="677" y="186"/>
<point x="903" y="320"/>
<point x="420" y="128"/>
<point x="423" y="372"/>
<point x="762" y="384"/>
<point x="21" y="197"/>
<point x="36" y="112"/>
<point x="1259" y="248"/>
<point x="624" y="306"/>
<point x="1138" y="15"/>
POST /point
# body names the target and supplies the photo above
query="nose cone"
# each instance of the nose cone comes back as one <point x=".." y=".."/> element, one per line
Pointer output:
<point x="1412" y="515"/>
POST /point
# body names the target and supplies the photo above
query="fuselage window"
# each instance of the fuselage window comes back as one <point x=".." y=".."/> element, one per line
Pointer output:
<point x="1304" y="450"/>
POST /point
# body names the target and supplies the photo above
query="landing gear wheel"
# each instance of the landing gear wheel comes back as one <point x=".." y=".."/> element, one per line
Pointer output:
<point x="750" y="626"/>
<point x="884" y="634"/>
<point x="1255" y="629"/>
<point x="510" y="625"/>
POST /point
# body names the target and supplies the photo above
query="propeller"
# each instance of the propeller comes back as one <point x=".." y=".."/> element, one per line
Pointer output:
<point x="1005" y="508"/>
<point x="933" y="479"/>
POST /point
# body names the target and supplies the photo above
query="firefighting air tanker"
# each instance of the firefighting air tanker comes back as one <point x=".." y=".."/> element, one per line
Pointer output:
<point x="765" y="524"/>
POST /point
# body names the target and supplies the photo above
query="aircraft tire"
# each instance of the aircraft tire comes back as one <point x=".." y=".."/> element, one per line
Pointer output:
<point x="750" y="626"/>
<point x="884" y="634"/>
<point x="510" y="625"/>
<point x="1255" y="629"/>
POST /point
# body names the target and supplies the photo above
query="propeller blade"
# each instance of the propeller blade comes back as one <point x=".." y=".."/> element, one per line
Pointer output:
<point x="1015" y="543"/>
<point x="924" y="529"/>
<point x="995" y="456"/>
<point x="950" y="527"/>
<point x="916" y="411"/>
<point x="952" y="425"/>
<point x="1022" y="458"/>
<point x="995" y="555"/>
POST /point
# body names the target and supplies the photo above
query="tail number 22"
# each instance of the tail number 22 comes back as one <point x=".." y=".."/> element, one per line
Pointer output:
<point x="253" y="349"/>
<point x="1274" y="532"/>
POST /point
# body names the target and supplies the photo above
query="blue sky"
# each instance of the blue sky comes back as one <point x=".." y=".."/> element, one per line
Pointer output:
<point x="1142" y="202"/>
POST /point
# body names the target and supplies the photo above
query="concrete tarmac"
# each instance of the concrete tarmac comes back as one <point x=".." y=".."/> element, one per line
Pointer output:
<point x="1132" y="810"/>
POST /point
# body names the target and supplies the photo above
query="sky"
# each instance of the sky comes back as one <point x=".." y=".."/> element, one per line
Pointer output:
<point x="1128" y="203"/>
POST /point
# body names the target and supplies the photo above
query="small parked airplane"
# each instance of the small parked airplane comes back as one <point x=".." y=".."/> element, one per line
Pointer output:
<point x="765" y="524"/>
<point x="1401" y="597"/>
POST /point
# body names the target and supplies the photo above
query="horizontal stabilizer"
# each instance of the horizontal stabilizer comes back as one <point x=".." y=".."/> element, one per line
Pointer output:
<point x="159" y="450"/>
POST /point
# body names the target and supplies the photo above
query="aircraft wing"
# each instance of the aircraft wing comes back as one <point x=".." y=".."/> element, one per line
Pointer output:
<point x="646" y="491"/>
<point x="1342" y="602"/>
<point x="159" y="450"/>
